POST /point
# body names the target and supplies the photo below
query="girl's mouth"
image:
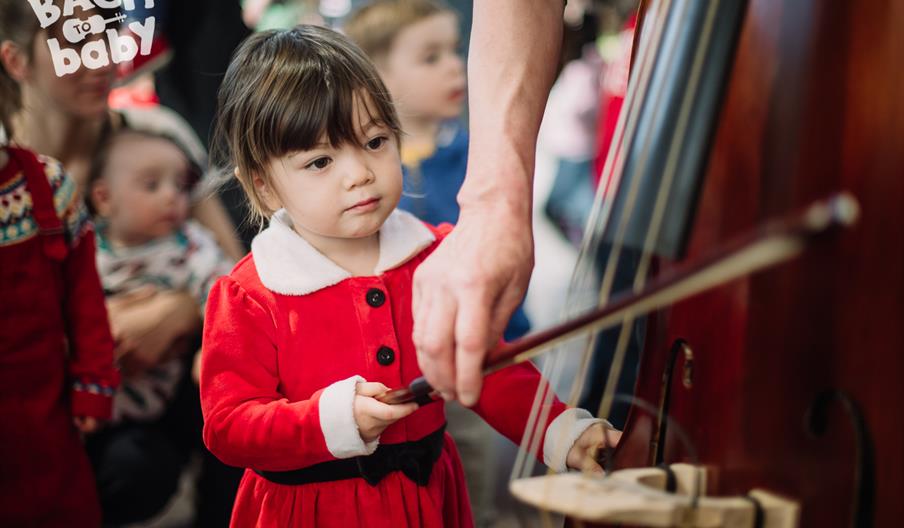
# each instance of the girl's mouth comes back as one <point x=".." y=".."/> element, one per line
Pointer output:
<point x="364" y="205"/>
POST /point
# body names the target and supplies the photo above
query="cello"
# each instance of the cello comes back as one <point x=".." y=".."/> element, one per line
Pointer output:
<point x="779" y="379"/>
<point x="755" y="199"/>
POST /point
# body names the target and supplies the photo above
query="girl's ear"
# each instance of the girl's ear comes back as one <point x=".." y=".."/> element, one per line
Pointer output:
<point x="264" y="191"/>
<point x="14" y="60"/>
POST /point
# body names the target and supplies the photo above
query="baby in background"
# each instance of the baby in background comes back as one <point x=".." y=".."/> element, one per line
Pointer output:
<point x="139" y="190"/>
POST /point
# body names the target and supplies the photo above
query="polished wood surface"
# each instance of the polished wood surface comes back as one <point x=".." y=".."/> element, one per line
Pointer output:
<point x="814" y="106"/>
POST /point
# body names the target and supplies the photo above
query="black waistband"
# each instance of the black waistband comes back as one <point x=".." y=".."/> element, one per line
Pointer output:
<point x="414" y="459"/>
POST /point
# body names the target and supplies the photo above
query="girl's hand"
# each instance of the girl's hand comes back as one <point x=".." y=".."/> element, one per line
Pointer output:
<point x="373" y="416"/>
<point x="583" y="455"/>
<point x="86" y="424"/>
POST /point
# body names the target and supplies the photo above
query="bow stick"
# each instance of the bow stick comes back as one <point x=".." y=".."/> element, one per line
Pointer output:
<point x="772" y="244"/>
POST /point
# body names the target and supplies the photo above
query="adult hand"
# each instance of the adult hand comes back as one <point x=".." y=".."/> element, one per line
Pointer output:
<point x="465" y="293"/>
<point x="86" y="424"/>
<point x="147" y="327"/>
<point x="373" y="416"/>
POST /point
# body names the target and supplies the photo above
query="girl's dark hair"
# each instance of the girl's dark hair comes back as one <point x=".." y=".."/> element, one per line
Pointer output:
<point x="283" y="92"/>
<point x="19" y="25"/>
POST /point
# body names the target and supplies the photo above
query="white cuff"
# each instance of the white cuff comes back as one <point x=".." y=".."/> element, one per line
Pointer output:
<point x="337" y="420"/>
<point x="561" y="435"/>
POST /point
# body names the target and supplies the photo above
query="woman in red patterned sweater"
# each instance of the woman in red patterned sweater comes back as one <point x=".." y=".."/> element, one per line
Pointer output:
<point x="56" y="353"/>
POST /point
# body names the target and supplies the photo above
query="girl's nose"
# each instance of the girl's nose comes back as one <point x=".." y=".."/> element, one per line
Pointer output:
<point x="358" y="174"/>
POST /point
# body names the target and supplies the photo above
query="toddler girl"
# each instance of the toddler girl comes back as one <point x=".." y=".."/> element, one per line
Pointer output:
<point x="317" y="320"/>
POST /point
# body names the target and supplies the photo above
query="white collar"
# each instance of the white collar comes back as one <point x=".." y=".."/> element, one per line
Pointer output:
<point x="288" y="264"/>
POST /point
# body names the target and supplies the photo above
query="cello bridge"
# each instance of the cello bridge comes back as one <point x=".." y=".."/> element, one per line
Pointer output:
<point x="637" y="497"/>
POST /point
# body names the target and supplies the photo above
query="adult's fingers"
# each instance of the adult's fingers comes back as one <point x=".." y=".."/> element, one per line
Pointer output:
<point x="133" y="297"/>
<point x="434" y="341"/>
<point x="472" y="333"/>
<point x="87" y="424"/>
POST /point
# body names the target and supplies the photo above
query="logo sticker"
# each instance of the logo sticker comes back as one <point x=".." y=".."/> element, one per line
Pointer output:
<point x="113" y="46"/>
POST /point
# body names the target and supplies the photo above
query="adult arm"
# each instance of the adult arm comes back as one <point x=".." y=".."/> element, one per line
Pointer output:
<point x="90" y="357"/>
<point x="90" y="345"/>
<point x="211" y="213"/>
<point x="151" y="328"/>
<point x="466" y="291"/>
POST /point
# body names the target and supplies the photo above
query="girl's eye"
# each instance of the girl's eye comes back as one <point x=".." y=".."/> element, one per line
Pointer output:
<point x="319" y="163"/>
<point x="433" y="58"/>
<point x="376" y="143"/>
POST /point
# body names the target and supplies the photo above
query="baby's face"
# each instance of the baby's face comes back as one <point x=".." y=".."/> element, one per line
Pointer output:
<point x="147" y="183"/>
<point x="423" y="70"/>
<point x="343" y="192"/>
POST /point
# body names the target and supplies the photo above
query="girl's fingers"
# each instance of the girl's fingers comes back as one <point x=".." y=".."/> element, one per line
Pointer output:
<point x="589" y="465"/>
<point x="612" y="436"/>
<point x="370" y="388"/>
<point x="385" y="412"/>
<point x="403" y="410"/>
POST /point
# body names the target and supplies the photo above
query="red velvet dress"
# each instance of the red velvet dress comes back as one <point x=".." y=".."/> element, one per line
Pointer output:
<point x="56" y="353"/>
<point x="273" y="359"/>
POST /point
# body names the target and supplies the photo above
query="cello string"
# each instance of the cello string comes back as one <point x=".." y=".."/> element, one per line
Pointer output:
<point x="599" y="218"/>
<point x="658" y="108"/>
<point x="615" y="164"/>
<point x="601" y="214"/>
<point x="647" y="54"/>
<point x="627" y="119"/>
<point x="661" y="202"/>
<point x="612" y="173"/>
<point x="634" y="182"/>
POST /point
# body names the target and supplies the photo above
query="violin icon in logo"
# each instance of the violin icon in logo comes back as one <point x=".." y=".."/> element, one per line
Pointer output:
<point x="76" y="30"/>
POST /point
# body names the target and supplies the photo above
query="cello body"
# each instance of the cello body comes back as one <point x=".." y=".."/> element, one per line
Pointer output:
<point x="790" y="379"/>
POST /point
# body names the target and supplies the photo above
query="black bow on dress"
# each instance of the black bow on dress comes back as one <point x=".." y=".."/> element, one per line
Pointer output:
<point x="414" y="459"/>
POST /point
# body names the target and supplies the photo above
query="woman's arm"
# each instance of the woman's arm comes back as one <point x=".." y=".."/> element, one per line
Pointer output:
<point x="211" y="214"/>
<point x="90" y="345"/>
<point x="149" y="327"/>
